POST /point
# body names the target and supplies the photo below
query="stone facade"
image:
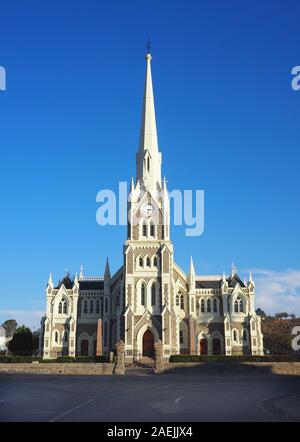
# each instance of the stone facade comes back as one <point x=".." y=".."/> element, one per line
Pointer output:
<point x="150" y="299"/>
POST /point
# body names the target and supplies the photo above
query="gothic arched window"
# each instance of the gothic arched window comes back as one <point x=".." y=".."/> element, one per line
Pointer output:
<point x="60" y="308"/>
<point x="141" y="262"/>
<point x="143" y="294"/>
<point x="155" y="261"/>
<point x="148" y="262"/>
<point x="56" y="337"/>
<point x="65" y="307"/>
<point x="153" y="294"/>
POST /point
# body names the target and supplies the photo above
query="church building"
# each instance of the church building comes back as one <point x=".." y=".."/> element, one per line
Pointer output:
<point x="150" y="297"/>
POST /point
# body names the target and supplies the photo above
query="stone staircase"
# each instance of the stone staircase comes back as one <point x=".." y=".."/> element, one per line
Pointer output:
<point x="144" y="366"/>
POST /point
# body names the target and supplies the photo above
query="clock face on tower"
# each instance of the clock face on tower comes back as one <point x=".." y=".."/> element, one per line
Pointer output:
<point x="147" y="210"/>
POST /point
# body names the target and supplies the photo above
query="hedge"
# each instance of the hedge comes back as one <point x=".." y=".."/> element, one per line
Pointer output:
<point x="60" y="360"/>
<point x="242" y="358"/>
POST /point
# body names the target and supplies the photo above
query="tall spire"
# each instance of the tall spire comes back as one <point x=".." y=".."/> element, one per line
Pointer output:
<point x="107" y="270"/>
<point x="148" y="157"/>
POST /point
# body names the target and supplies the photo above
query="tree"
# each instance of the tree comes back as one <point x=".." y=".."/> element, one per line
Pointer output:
<point x="10" y="327"/>
<point x="281" y="315"/>
<point x="260" y="312"/>
<point x="22" y="342"/>
<point x="36" y="341"/>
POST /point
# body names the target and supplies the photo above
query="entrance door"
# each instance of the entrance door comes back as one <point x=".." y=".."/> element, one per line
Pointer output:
<point x="203" y="347"/>
<point x="148" y="344"/>
<point x="216" y="347"/>
<point x="84" y="350"/>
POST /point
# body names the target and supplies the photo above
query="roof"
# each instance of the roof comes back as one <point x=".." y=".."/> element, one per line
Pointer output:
<point x="204" y="284"/>
<point x="93" y="284"/>
<point x="67" y="282"/>
<point x="215" y="282"/>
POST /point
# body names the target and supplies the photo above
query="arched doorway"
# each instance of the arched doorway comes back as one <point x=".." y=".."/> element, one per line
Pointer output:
<point x="84" y="349"/>
<point x="216" y="343"/>
<point x="148" y="344"/>
<point x="203" y="346"/>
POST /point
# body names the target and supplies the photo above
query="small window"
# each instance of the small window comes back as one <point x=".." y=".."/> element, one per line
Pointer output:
<point x="235" y="336"/>
<point x="56" y="337"/>
<point x="64" y="307"/>
<point x="155" y="261"/>
<point x="153" y="294"/>
<point x="208" y="306"/>
<point x="60" y="308"/>
<point x="148" y="164"/>
<point x="85" y="307"/>
<point x="236" y="306"/>
<point x="91" y="307"/>
<point x="182" y="302"/>
<point x="152" y="230"/>
<point x="215" y="306"/>
<point x="98" y="306"/>
<point x="202" y="306"/>
<point x="177" y="300"/>
<point x="144" y="229"/>
<point x="148" y="261"/>
<point x="143" y="294"/>
<point x="141" y="262"/>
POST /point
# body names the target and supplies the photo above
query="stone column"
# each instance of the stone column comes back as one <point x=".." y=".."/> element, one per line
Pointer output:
<point x="159" y="357"/>
<point x="99" y="349"/>
<point x="120" y="358"/>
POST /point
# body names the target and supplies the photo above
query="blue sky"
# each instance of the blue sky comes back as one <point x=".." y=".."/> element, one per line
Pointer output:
<point x="228" y="123"/>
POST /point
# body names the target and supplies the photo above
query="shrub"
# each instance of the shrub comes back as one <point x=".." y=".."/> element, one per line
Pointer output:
<point x="98" y="359"/>
<point x="18" y="359"/>
<point x="242" y="358"/>
<point x="60" y="360"/>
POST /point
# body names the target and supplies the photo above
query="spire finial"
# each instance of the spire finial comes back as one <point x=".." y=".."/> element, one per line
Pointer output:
<point x="233" y="270"/>
<point x="148" y="46"/>
<point x="81" y="272"/>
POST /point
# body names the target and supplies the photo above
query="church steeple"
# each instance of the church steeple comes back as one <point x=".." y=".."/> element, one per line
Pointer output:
<point x="148" y="157"/>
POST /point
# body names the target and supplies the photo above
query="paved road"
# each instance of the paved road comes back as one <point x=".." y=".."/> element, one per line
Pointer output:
<point x="164" y="398"/>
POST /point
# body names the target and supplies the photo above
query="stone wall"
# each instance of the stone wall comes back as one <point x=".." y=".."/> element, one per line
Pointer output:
<point x="246" y="368"/>
<point x="71" y="368"/>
